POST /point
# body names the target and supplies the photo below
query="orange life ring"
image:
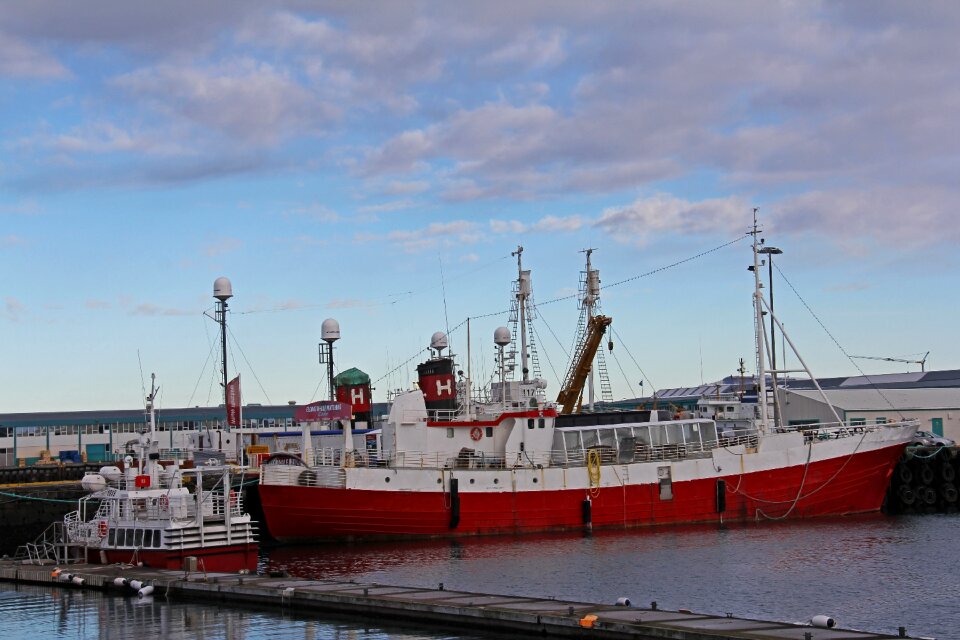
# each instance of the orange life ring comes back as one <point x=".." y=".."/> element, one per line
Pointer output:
<point x="233" y="498"/>
<point x="476" y="433"/>
<point x="102" y="528"/>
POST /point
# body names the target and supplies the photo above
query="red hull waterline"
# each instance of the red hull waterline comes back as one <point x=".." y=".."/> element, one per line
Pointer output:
<point x="838" y="486"/>
<point x="225" y="559"/>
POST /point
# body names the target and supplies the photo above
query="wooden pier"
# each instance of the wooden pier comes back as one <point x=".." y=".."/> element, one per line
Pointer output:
<point x="465" y="611"/>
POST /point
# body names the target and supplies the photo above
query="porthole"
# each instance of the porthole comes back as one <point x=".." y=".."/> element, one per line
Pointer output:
<point x="387" y="479"/>
<point x="535" y="480"/>
<point x="496" y="481"/>
<point x="439" y="480"/>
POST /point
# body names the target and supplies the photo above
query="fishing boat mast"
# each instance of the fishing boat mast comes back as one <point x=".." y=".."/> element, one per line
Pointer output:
<point x="523" y="291"/>
<point x="758" y="305"/>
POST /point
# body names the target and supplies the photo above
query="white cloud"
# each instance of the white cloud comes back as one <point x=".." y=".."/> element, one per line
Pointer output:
<point x="245" y="100"/>
<point x="318" y="212"/>
<point x="222" y="246"/>
<point x="531" y="49"/>
<point x="396" y="205"/>
<point x="148" y="309"/>
<point x="19" y="59"/>
<point x="666" y="213"/>
<point x="547" y="224"/>
<point x="13" y="309"/>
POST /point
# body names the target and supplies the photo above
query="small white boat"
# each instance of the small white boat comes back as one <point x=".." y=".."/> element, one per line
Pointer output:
<point x="160" y="515"/>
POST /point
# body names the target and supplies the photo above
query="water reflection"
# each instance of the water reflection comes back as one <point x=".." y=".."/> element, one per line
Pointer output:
<point x="871" y="572"/>
<point x="35" y="611"/>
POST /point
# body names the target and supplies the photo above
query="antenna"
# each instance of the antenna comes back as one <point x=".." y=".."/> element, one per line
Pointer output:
<point x="223" y="291"/>
<point x="922" y="362"/>
<point x="329" y="333"/>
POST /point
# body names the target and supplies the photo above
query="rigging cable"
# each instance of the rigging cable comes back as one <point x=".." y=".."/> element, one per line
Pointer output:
<point x="839" y="346"/>
<point x="625" y="348"/>
<point x="574" y="295"/>
<point x="204" y="369"/>
<point x="254" y="373"/>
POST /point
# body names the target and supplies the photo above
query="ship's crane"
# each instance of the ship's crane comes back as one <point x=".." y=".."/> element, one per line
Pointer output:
<point x="922" y="362"/>
<point x="570" y="394"/>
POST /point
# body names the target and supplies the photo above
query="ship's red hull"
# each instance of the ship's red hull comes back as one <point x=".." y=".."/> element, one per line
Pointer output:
<point x="224" y="558"/>
<point x="837" y="486"/>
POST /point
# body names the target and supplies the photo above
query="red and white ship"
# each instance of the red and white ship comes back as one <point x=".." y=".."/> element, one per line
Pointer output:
<point x="157" y="516"/>
<point x="450" y="465"/>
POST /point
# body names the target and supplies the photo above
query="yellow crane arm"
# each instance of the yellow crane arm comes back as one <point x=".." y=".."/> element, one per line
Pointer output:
<point x="583" y="360"/>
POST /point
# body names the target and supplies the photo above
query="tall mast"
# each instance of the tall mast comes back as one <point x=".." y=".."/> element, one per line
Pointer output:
<point x="759" y="328"/>
<point x="223" y="291"/>
<point x="588" y="300"/>
<point x="522" y="292"/>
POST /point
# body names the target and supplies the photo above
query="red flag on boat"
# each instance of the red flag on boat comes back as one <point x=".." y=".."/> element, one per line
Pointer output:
<point x="233" y="403"/>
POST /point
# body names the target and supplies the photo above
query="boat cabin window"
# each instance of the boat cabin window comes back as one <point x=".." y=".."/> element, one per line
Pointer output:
<point x="541" y="423"/>
<point x="571" y="441"/>
<point x="138" y="537"/>
<point x="128" y="537"/>
<point x="674" y="434"/>
<point x="590" y="438"/>
<point x="489" y="431"/>
<point x="529" y="423"/>
<point x="691" y="433"/>
<point x="657" y="435"/>
<point x="642" y="434"/>
<point x="449" y="432"/>
<point x="156" y="538"/>
<point x="112" y="538"/>
<point x="708" y="432"/>
<point x="608" y="438"/>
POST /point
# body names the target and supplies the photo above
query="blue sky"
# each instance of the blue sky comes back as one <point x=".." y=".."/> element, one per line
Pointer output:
<point x="378" y="162"/>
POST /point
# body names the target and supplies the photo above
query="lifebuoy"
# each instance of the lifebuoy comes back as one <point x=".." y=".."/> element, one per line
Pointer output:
<point x="102" y="528"/>
<point x="164" y="503"/>
<point x="233" y="498"/>
<point x="476" y="433"/>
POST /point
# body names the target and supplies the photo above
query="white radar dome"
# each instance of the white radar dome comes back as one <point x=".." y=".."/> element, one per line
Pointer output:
<point x="222" y="289"/>
<point x="501" y="336"/>
<point x="330" y="330"/>
<point x="438" y="340"/>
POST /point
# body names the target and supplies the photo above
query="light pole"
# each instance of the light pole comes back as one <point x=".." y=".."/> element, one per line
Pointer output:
<point x="770" y="252"/>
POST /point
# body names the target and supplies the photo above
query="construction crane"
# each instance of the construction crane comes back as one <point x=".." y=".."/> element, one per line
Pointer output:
<point x="922" y="362"/>
<point x="570" y="394"/>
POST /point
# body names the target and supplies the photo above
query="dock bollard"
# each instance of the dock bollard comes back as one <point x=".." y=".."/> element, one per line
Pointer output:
<point x="653" y="605"/>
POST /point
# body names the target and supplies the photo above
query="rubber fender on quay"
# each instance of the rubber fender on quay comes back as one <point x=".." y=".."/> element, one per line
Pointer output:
<point x="948" y="492"/>
<point x="907" y="496"/>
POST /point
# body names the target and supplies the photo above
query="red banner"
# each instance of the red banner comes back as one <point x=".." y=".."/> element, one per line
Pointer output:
<point x="233" y="402"/>
<point x="324" y="410"/>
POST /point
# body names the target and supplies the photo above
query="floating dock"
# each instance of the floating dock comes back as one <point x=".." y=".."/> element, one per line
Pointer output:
<point x="465" y="611"/>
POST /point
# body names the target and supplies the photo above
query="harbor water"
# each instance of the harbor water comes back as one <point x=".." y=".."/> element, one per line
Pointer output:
<point x="875" y="573"/>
